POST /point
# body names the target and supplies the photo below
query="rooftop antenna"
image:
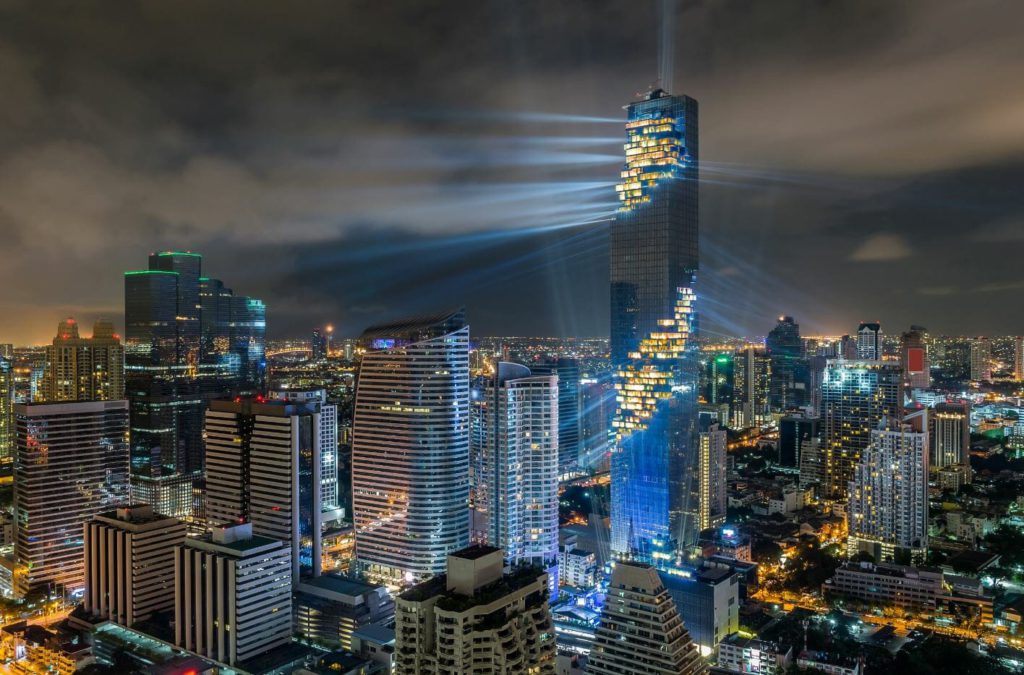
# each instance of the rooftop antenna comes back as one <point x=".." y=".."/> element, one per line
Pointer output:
<point x="667" y="45"/>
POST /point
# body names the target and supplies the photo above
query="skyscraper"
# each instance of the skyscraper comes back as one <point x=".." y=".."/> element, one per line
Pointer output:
<point x="71" y="464"/>
<point x="981" y="360"/>
<point x="6" y="411"/>
<point x="515" y="460"/>
<point x="84" y="369"/>
<point x="654" y="260"/>
<point x="712" y="497"/>
<point x="914" y="355"/>
<point x="888" y="510"/>
<point x="869" y="341"/>
<point x="641" y="632"/>
<point x="410" y="447"/>
<point x="264" y="465"/>
<point x="856" y="397"/>
<point x="568" y="371"/>
<point x="1018" y="358"/>
<point x="789" y="386"/>
<point x="951" y="437"/>
<point x="752" y="375"/>
<point x="188" y="340"/>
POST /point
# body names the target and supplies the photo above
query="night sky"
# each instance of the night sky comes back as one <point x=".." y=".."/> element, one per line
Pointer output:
<point x="357" y="160"/>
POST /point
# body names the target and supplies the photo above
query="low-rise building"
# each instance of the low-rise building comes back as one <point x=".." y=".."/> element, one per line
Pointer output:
<point x="889" y="584"/>
<point x="578" y="567"/>
<point x="737" y="654"/>
<point x="829" y="663"/>
<point x="329" y="608"/>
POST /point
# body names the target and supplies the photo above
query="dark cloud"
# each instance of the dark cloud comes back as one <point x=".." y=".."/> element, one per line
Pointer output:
<point x="350" y="160"/>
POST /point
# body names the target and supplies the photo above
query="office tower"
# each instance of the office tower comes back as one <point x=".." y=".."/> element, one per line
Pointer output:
<point x="6" y="411"/>
<point x="568" y="371"/>
<point x="264" y="465"/>
<point x="71" y="463"/>
<point x="654" y="461"/>
<point x="796" y="432"/>
<point x="475" y="619"/>
<point x="84" y="369"/>
<point x="788" y="385"/>
<point x="232" y="594"/>
<point x="914" y="356"/>
<point x="951" y="437"/>
<point x="719" y="376"/>
<point x="712" y="497"/>
<point x="707" y="599"/>
<point x="410" y="447"/>
<point x="1018" y="358"/>
<point x="515" y="465"/>
<point x="869" y="342"/>
<point x="318" y="345"/>
<point x="188" y="339"/>
<point x="856" y="397"/>
<point x="330" y="494"/>
<point x="888" y="510"/>
<point x="654" y="236"/>
<point x="129" y="563"/>
<point x="598" y="411"/>
<point x="981" y="360"/>
<point x="641" y="632"/>
<point x="752" y="370"/>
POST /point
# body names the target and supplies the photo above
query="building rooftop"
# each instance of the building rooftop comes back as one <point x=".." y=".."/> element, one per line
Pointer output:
<point x="475" y="552"/>
<point x="339" y="584"/>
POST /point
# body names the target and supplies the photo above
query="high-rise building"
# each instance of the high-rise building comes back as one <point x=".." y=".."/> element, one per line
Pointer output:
<point x="71" y="463"/>
<point x="888" y="509"/>
<point x="568" y="371"/>
<point x="981" y="360"/>
<point x="653" y="265"/>
<point x="796" y="432"/>
<point x="6" y="411"/>
<point x="84" y="369"/>
<point x="264" y="465"/>
<point x="129" y="563"/>
<point x="410" y="447"/>
<point x="598" y="412"/>
<point x="869" y="341"/>
<point x="752" y="374"/>
<point x="789" y="386"/>
<point x="233" y="594"/>
<point x="856" y="397"/>
<point x="708" y="600"/>
<point x="476" y="619"/>
<point x="951" y="437"/>
<point x="515" y="466"/>
<point x="188" y="340"/>
<point x="719" y="379"/>
<point x="914" y="355"/>
<point x="641" y="632"/>
<point x="1018" y="358"/>
<point x="318" y="345"/>
<point x="712" y="497"/>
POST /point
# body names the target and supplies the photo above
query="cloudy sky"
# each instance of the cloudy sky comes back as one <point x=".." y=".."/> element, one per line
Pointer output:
<point x="351" y="161"/>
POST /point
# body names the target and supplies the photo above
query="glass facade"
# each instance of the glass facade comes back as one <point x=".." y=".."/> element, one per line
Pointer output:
<point x="6" y="410"/>
<point x="653" y="263"/>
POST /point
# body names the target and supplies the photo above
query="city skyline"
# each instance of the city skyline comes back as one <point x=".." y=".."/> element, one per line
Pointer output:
<point x="318" y="170"/>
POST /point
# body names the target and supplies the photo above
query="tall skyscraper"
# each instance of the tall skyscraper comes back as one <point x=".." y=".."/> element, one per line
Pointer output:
<point x="476" y="619"/>
<point x="856" y="397"/>
<point x="515" y="465"/>
<point x="752" y="375"/>
<point x="719" y="377"/>
<point x="6" y="411"/>
<point x="188" y="340"/>
<point x="1018" y="358"/>
<point x="981" y="360"/>
<point x="410" y="447"/>
<point x="712" y="497"/>
<point x="568" y="371"/>
<point x="233" y="594"/>
<point x="951" y="437"/>
<point x="71" y="464"/>
<point x="654" y="260"/>
<point x="796" y="433"/>
<point x="84" y="369"/>
<point x="318" y="345"/>
<point x="914" y="355"/>
<point x="789" y="386"/>
<point x="641" y="632"/>
<point x="888" y="510"/>
<point x="264" y="465"/>
<point x="129" y="563"/>
<point x="596" y="417"/>
<point x="869" y="341"/>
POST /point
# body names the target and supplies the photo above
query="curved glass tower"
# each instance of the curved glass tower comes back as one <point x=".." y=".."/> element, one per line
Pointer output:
<point x="410" y="448"/>
<point x="654" y="260"/>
